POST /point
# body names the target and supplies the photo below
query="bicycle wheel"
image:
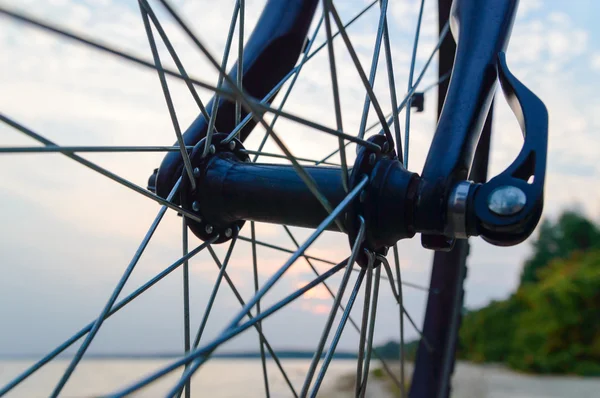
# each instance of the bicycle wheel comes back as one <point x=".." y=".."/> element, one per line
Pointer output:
<point x="211" y="176"/>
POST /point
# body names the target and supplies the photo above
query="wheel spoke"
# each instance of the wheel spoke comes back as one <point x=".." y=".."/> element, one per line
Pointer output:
<point x="215" y="290"/>
<point x="338" y="334"/>
<point x="332" y="313"/>
<point x="256" y="326"/>
<point x="322" y="260"/>
<point x="260" y="339"/>
<point x="360" y="70"/>
<point x="203" y="352"/>
<point x="175" y="57"/>
<point x="375" y="295"/>
<point x="240" y="125"/>
<point x="186" y="297"/>
<point x="283" y="249"/>
<point x="386" y="368"/>
<point x="401" y="318"/>
<point x="363" y="326"/>
<point x="222" y="73"/>
<point x="336" y="94"/>
<point x="99" y="169"/>
<point x="275" y="155"/>
<point x="240" y="62"/>
<point x="297" y="71"/>
<point x="410" y="83"/>
<point x="118" y="306"/>
<point x="386" y="264"/>
<point x="411" y="92"/>
<point x="350" y="22"/>
<point x="73" y="149"/>
<point x="323" y="161"/>
<point x="167" y="94"/>
<point x="373" y="71"/>
<point x="392" y="86"/>
<point x="113" y="298"/>
<point x="264" y="108"/>
<point x="438" y="82"/>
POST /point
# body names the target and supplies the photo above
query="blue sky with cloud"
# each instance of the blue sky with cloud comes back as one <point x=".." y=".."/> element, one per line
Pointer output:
<point x="67" y="233"/>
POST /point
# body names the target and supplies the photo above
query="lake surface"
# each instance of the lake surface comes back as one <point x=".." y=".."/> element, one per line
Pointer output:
<point x="218" y="378"/>
<point x="243" y="378"/>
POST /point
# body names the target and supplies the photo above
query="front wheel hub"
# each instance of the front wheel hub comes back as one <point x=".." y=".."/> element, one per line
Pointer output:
<point x="387" y="202"/>
<point x="230" y="190"/>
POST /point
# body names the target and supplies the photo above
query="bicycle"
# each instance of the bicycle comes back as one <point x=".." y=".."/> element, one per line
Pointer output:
<point x="209" y="178"/>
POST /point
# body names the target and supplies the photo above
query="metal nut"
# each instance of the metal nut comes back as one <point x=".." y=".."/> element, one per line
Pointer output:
<point x="212" y="149"/>
<point x="209" y="229"/>
<point x="196" y="172"/>
<point x="232" y="145"/>
<point x="507" y="200"/>
<point x="228" y="231"/>
<point x="196" y="206"/>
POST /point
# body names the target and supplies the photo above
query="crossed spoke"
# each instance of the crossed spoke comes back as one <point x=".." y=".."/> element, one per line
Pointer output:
<point x="167" y="94"/>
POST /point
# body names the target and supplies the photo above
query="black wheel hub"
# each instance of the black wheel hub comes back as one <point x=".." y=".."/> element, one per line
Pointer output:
<point x="230" y="189"/>
<point x="388" y="215"/>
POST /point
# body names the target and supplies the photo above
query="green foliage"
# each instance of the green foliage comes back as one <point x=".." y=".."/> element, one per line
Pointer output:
<point x="571" y="232"/>
<point x="391" y="350"/>
<point x="552" y="323"/>
<point x="558" y="329"/>
<point x="486" y="334"/>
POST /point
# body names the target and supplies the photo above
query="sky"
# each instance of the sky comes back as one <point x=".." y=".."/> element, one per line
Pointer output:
<point x="67" y="233"/>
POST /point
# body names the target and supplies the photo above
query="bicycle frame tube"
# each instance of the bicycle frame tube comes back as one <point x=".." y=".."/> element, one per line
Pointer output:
<point x="482" y="30"/>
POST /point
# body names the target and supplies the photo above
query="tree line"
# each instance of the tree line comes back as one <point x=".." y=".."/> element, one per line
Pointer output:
<point x="551" y="324"/>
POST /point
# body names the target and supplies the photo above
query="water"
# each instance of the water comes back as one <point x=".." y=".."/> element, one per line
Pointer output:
<point x="218" y="378"/>
<point x="243" y="378"/>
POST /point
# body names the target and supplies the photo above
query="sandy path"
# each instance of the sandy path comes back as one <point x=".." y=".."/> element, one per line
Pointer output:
<point x="487" y="381"/>
<point x="493" y="381"/>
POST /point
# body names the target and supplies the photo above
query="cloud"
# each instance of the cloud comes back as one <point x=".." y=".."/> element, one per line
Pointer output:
<point x="595" y="61"/>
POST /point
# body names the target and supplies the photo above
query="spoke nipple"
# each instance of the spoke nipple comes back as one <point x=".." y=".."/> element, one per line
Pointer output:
<point x="232" y="145"/>
<point x="228" y="232"/>
<point x="196" y="206"/>
<point x="386" y="147"/>
<point x="209" y="229"/>
<point x="372" y="159"/>
<point x="212" y="149"/>
<point x="507" y="200"/>
<point x="196" y="172"/>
